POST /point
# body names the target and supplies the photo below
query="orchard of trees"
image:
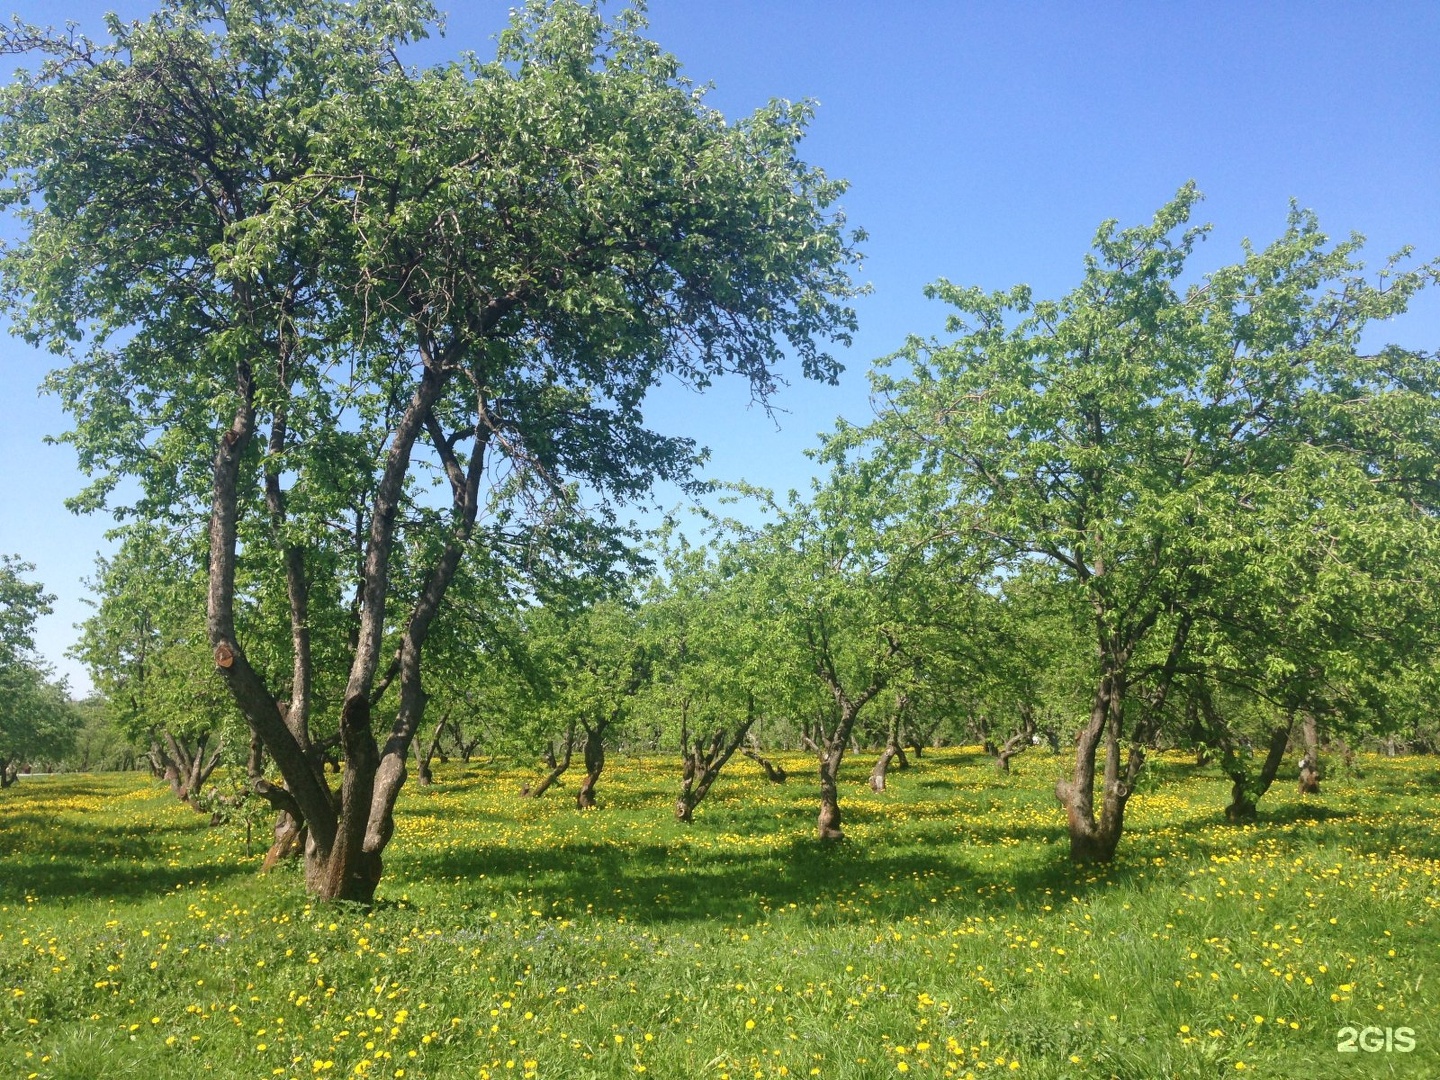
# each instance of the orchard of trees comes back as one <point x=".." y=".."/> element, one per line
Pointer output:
<point x="358" y="354"/>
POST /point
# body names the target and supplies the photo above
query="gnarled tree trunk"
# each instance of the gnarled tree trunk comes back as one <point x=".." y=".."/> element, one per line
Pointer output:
<point x="345" y="835"/>
<point x="183" y="768"/>
<point x="594" y="765"/>
<point x="828" y="822"/>
<point x="1094" y="838"/>
<point x="882" y="766"/>
<point x="703" y="761"/>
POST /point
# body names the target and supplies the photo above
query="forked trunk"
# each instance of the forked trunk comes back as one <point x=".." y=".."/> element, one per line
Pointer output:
<point x="1093" y="838"/>
<point x="185" y="770"/>
<point x="1243" y="794"/>
<point x="703" y="763"/>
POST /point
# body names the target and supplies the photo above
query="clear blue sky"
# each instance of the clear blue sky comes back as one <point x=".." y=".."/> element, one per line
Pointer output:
<point x="984" y="143"/>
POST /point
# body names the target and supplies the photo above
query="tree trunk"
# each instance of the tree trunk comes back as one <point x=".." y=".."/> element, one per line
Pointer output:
<point x="1244" y="796"/>
<point x="828" y="823"/>
<point x="8" y="773"/>
<point x="703" y="762"/>
<point x="289" y="842"/>
<point x="773" y="773"/>
<point x="882" y="766"/>
<point x="255" y="760"/>
<point x="1310" y="763"/>
<point x="1017" y="743"/>
<point x="557" y="763"/>
<point x="594" y="764"/>
<point x="1094" y="839"/>
<point x="423" y="775"/>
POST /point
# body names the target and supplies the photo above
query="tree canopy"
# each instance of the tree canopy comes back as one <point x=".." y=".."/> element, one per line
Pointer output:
<point x="296" y="278"/>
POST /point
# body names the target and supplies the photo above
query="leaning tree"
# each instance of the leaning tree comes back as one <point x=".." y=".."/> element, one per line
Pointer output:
<point x="290" y="273"/>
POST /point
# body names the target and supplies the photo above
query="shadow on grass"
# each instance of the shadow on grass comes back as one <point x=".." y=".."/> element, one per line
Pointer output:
<point x="657" y="883"/>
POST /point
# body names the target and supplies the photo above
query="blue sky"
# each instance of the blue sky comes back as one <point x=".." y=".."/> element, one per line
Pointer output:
<point x="984" y="143"/>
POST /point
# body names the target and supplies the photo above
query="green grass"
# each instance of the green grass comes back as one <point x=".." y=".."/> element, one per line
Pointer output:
<point x="947" y="936"/>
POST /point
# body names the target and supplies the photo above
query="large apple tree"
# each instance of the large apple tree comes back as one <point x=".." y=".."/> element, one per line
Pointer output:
<point x="361" y="321"/>
<point x="1142" y="436"/>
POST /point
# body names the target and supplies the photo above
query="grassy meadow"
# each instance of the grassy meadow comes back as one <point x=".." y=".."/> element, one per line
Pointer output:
<point x="948" y="936"/>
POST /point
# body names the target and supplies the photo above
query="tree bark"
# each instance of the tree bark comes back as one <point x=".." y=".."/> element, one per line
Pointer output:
<point x="289" y="842"/>
<point x="1019" y="742"/>
<point x="1310" y="763"/>
<point x="882" y="766"/>
<point x="423" y="775"/>
<point x="1094" y="839"/>
<point x="828" y="822"/>
<point x="830" y="744"/>
<point x="594" y="765"/>
<point x="255" y="760"/>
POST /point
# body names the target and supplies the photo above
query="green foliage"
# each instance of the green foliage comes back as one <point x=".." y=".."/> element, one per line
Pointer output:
<point x="37" y="723"/>
<point x="1215" y="469"/>
<point x="145" y="646"/>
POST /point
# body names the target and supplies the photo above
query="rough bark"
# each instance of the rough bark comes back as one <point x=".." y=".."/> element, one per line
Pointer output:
<point x="1094" y="838"/>
<point x="1310" y="763"/>
<point x="289" y="842"/>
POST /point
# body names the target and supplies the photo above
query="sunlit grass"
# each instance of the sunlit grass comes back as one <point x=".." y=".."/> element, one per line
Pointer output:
<point x="947" y="937"/>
